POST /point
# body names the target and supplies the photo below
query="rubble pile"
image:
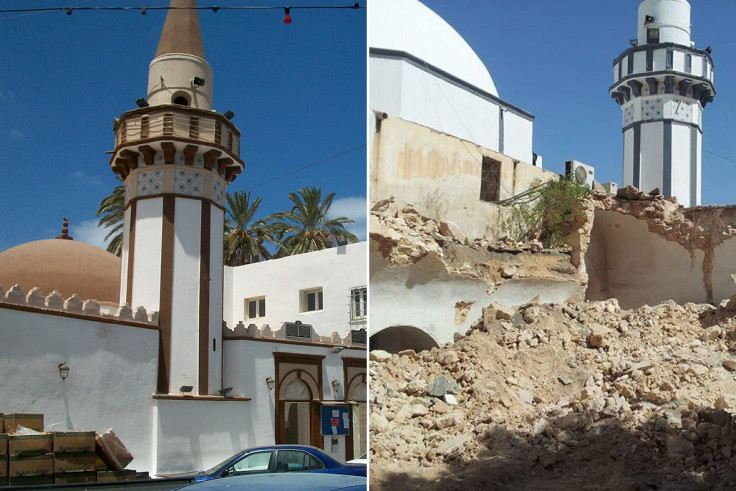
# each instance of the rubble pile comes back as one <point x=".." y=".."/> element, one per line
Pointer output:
<point x="575" y="396"/>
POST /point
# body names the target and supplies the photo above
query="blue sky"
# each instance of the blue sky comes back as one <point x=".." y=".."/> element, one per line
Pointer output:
<point x="554" y="59"/>
<point x="298" y="93"/>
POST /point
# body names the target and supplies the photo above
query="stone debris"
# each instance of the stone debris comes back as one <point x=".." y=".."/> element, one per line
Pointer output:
<point x="585" y="389"/>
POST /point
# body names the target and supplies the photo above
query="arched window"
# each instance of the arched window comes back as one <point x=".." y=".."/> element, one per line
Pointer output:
<point x="180" y="98"/>
<point x="297" y="391"/>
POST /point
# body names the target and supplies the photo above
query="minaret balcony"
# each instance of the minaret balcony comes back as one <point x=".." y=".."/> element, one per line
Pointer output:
<point x="174" y="134"/>
<point x="661" y="83"/>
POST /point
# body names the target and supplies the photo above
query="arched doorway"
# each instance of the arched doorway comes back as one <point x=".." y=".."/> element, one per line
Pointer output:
<point x="357" y="392"/>
<point x="298" y="381"/>
<point x="397" y="338"/>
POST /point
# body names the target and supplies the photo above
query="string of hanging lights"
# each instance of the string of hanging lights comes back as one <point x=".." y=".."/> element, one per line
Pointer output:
<point x="214" y="8"/>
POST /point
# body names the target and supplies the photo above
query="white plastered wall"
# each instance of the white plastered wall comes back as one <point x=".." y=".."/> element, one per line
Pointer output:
<point x="652" y="156"/>
<point x="404" y="90"/>
<point x="113" y="372"/>
<point x="249" y="363"/>
<point x="681" y="154"/>
<point x="217" y="217"/>
<point x="185" y="294"/>
<point x="147" y="254"/>
<point x="335" y="270"/>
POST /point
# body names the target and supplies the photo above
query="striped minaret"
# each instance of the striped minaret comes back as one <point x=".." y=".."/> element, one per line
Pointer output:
<point x="177" y="157"/>
<point x="662" y="84"/>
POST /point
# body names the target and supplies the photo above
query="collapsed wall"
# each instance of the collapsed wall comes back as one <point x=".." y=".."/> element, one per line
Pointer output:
<point x="644" y="249"/>
<point x="429" y="282"/>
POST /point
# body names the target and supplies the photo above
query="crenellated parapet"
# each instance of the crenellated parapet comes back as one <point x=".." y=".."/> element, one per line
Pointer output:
<point x="301" y="334"/>
<point x="35" y="299"/>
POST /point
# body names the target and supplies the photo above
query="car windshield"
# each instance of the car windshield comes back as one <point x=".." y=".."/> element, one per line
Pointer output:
<point x="221" y="464"/>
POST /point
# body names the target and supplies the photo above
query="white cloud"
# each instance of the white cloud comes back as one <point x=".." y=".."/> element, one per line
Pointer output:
<point x="91" y="180"/>
<point x="16" y="135"/>
<point x="88" y="232"/>
<point x="354" y="208"/>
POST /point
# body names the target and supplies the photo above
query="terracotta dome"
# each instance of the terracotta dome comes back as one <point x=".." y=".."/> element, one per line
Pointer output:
<point x="65" y="265"/>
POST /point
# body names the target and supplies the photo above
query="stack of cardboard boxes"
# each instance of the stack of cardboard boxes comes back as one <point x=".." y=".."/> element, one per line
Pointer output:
<point x="39" y="458"/>
<point x="30" y="461"/>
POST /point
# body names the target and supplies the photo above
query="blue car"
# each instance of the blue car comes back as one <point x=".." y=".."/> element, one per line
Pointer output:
<point x="280" y="458"/>
<point x="284" y="482"/>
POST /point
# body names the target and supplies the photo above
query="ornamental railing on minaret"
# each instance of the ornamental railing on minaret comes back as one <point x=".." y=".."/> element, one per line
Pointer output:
<point x="177" y="157"/>
<point x="663" y="83"/>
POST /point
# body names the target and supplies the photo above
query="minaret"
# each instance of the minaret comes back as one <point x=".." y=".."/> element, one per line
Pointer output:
<point x="177" y="157"/>
<point x="662" y="84"/>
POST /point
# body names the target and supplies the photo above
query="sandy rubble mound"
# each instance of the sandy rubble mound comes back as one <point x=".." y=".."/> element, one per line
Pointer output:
<point x="577" y="396"/>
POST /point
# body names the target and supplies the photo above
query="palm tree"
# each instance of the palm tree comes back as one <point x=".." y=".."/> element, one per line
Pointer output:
<point x="306" y="228"/>
<point x="112" y="211"/>
<point x="245" y="241"/>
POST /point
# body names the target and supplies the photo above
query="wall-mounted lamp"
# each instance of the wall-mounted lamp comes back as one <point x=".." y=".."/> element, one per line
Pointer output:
<point x="186" y="388"/>
<point x="229" y="115"/>
<point x="225" y="392"/>
<point x="64" y="370"/>
<point x="335" y="385"/>
<point x="198" y="82"/>
<point x="141" y="102"/>
<point x="270" y="383"/>
<point x="336" y="349"/>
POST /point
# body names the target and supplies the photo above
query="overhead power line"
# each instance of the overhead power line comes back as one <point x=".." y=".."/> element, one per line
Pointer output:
<point x="305" y="167"/>
<point x="721" y="156"/>
<point x="213" y="8"/>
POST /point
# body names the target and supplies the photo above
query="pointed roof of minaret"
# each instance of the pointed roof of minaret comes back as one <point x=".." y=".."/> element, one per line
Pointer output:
<point x="181" y="33"/>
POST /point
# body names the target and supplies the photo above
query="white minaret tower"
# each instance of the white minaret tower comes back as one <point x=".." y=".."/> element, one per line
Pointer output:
<point x="177" y="157"/>
<point x="662" y="84"/>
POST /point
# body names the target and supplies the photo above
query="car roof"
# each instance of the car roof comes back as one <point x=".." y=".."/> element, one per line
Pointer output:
<point x="304" y="481"/>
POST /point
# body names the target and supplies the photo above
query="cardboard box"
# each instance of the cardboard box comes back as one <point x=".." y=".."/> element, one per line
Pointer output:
<point x="3" y="444"/>
<point x="112" y="451"/>
<point x="32" y="421"/>
<point x="74" y="462"/>
<point x="74" y="441"/>
<point x="100" y="464"/>
<point x="28" y="445"/>
<point x="31" y="480"/>
<point x="3" y="466"/>
<point x="112" y="476"/>
<point x="75" y="477"/>
<point x="30" y="466"/>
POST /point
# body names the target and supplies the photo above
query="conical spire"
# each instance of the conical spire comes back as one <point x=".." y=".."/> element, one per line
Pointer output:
<point x="181" y="33"/>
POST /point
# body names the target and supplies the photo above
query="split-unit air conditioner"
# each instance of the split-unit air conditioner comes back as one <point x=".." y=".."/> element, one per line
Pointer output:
<point x="580" y="172"/>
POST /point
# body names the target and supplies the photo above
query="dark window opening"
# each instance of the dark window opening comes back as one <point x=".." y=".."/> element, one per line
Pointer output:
<point x="490" y="180"/>
<point x="652" y="35"/>
<point x="688" y="63"/>
<point x="670" y="59"/>
<point x="181" y="101"/>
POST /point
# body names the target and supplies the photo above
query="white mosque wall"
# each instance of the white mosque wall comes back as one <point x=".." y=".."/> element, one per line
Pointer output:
<point x="124" y="251"/>
<point x="217" y="218"/>
<point x="652" y="156"/>
<point x="198" y="434"/>
<point x="681" y="156"/>
<point x="113" y="373"/>
<point x="284" y="282"/>
<point x="404" y="89"/>
<point x="185" y="298"/>
<point x="147" y="252"/>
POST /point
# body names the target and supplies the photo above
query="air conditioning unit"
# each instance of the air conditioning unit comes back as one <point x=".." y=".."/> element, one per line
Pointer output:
<point x="580" y="172"/>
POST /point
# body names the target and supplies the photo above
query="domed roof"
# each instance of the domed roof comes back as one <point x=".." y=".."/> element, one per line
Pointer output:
<point x="65" y="265"/>
<point x="410" y="26"/>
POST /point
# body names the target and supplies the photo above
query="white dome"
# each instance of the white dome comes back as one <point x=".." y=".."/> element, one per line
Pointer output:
<point x="410" y="26"/>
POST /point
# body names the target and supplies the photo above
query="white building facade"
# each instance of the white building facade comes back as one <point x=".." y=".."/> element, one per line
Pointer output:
<point x="662" y="84"/>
